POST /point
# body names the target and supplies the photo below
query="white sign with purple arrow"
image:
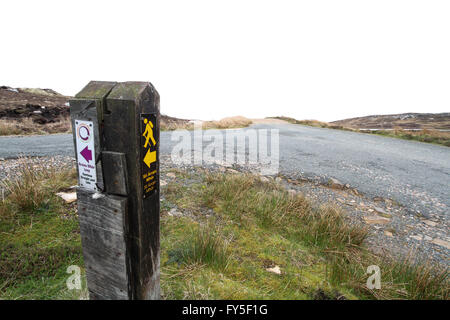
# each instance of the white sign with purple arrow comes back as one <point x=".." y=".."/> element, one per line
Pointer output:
<point x="87" y="173"/>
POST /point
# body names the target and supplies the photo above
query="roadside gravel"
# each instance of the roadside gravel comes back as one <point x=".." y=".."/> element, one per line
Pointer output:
<point x="10" y="168"/>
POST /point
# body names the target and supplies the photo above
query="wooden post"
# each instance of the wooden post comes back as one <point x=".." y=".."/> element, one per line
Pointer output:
<point x="116" y="138"/>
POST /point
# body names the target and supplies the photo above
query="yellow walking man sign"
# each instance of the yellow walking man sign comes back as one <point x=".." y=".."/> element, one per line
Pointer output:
<point x="150" y="156"/>
<point x="148" y="133"/>
<point x="149" y="153"/>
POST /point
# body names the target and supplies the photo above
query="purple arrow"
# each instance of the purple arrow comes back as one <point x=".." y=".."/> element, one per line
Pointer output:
<point x="87" y="154"/>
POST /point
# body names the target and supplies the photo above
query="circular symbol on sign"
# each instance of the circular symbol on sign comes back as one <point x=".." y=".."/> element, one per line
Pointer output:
<point x="84" y="133"/>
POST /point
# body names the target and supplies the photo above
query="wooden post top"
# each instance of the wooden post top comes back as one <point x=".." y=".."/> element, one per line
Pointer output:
<point x="130" y="90"/>
<point x="96" y="90"/>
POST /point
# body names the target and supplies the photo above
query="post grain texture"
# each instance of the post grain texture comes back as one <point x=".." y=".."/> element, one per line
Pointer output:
<point x="103" y="234"/>
<point x="125" y="103"/>
<point x="119" y="223"/>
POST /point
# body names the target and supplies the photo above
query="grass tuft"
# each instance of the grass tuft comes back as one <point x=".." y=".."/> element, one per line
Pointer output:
<point x="205" y="245"/>
<point x="33" y="187"/>
<point x="26" y="126"/>
<point x="400" y="278"/>
<point x="426" y="135"/>
<point x="246" y="198"/>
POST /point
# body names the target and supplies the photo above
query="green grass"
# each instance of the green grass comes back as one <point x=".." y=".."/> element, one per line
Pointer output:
<point x="39" y="236"/>
<point x="319" y="252"/>
<point x="429" y="136"/>
<point x="204" y="245"/>
<point x="233" y="230"/>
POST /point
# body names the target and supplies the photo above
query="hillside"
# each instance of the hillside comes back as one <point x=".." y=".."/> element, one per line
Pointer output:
<point x="423" y="127"/>
<point x="430" y="121"/>
<point x="40" y="111"/>
<point x="41" y="105"/>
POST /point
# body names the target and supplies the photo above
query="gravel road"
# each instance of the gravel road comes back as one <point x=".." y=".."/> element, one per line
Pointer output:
<point x="414" y="174"/>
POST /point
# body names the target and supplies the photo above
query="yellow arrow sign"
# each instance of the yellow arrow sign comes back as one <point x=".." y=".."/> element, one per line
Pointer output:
<point x="149" y="158"/>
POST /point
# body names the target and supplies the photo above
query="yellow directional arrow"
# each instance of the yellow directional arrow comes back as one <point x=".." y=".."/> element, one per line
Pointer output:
<point x="149" y="158"/>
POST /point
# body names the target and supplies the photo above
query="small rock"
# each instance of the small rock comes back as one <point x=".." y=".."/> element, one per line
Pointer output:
<point x="388" y="233"/>
<point x="428" y="238"/>
<point x="227" y="164"/>
<point x="12" y="90"/>
<point x="442" y="243"/>
<point x="174" y="212"/>
<point x="417" y="237"/>
<point x="275" y="269"/>
<point x="336" y="184"/>
<point x="430" y="223"/>
<point x="380" y="210"/>
<point x="68" y="197"/>
<point x="376" y="220"/>
<point x="162" y="183"/>
<point x="350" y="203"/>
<point x="171" y="175"/>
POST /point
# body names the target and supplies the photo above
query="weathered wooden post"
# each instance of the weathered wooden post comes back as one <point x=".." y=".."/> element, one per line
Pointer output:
<point x="116" y="138"/>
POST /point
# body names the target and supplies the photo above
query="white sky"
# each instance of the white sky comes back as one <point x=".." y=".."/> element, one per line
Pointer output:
<point x="324" y="60"/>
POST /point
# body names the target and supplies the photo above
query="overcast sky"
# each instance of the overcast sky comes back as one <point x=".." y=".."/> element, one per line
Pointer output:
<point x="324" y="60"/>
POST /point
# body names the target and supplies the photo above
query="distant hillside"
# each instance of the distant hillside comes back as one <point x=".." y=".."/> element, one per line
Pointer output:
<point x="40" y="105"/>
<point x="45" y="106"/>
<point x="424" y="127"/>
<point x="398" y="121"/>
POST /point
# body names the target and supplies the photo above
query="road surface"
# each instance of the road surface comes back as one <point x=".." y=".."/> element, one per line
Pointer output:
<point x="414" y="174"/>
